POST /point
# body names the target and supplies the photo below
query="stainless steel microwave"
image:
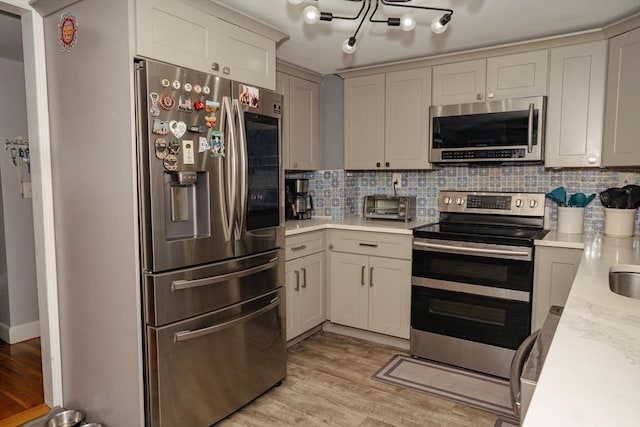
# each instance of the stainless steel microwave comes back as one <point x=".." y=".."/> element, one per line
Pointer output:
<point x="510" y="130"/>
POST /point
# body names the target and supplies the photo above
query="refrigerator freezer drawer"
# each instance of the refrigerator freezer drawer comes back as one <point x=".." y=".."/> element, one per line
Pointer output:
<point x="178" y="295"/>
<point x="202" y="369"/>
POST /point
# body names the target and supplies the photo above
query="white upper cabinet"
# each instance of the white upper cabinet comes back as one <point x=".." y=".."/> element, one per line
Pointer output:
<point x="502" y="77"/>
<point x="189" y="34"/>
<point x="407" y="119"/>
<point x="621" y="143"/>
<point x="364" y="122"/>
<point x="387" y="120"/>
<point x="575" y="107"/>
<point x="459" y="82"/>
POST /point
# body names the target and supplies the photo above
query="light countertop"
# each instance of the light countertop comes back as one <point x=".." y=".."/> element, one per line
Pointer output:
<point x="591" y="376"/>
<point x="293" y="227"/>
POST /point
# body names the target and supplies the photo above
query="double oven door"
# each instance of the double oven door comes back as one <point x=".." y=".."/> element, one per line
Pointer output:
<point x="470" y="303"/>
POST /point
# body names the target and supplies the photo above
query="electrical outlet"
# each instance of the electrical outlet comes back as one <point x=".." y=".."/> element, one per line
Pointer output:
<point x="397" y="180"/>
<point x="625" y="179"/>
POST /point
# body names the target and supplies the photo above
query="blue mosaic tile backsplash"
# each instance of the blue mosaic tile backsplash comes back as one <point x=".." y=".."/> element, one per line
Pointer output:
<point x="339" y="193"/>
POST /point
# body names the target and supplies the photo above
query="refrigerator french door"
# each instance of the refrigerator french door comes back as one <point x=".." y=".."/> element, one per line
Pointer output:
<point x="212" y="237"/>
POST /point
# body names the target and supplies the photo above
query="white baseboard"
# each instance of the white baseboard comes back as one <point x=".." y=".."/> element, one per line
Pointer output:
<point x="19" y="333"/>
<point x="366" y="335"/>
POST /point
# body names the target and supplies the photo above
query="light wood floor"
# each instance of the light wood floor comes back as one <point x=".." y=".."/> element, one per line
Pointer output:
<point x="329" y="384"/>
<point x="20" y="377"/>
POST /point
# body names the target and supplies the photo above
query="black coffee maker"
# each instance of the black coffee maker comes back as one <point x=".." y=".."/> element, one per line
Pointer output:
<point x="299" y="202"/>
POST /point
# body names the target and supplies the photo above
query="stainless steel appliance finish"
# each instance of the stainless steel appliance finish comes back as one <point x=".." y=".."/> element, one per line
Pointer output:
<point x="381" y="206"/>
<point x="528" y="362"/>
<point x="496" y="131"/>
<point x="299" y="201"/>
<point x="472" y="279"/>
<point x="212" y="233"/>
<point x="625" y="280"/>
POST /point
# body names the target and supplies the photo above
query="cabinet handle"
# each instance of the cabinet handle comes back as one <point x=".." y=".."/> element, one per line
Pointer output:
<point x="592" y="160"/>
<point x="297" y="288"/>
<point x="490" y="95"/>
<point x="295" y="165"/>
<point x="331" y="246"/>
<point x="478" y="96"/>
<point x="369" y="245"/>
<point x="215" y="66"/>
<point x="377" y="164"/>
<point x="362" y="276"/>
<point x="304" y="277"/>
<point x="298" y="248"/>
<point x="387" y="164"/>
<point x="226" y="70"/>
<point x="371" y="277"/>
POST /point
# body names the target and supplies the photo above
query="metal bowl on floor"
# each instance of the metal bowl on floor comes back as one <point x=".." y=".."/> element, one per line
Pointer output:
<point x="68" y="418"/>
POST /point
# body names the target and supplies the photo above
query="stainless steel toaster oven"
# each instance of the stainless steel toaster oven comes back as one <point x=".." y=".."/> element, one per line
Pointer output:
<point x="380" y="206"/>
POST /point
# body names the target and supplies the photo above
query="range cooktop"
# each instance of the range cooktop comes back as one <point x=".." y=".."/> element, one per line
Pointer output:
<point x="481" y="233"/>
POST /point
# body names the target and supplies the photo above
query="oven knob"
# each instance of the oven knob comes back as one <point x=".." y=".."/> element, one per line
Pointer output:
<point x="533" y="203"/>
<point x="518" y="203"/>
<point x="447" y="200"/>
<point x="459" y="201"/>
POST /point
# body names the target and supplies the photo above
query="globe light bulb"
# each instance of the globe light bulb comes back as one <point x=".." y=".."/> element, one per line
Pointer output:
<point x="440" y="23"/>
<point x="407" y="22"/>
<point x="349" y="45"/>
<point x="311" y="14"/>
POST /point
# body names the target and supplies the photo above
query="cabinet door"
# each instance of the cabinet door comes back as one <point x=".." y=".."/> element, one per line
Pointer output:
<point x="349" y="289"/>
<point x="246" y="56"/>
<point x="177" y="33"/>
<point x="282" y="87"/>
<point x="517" y="76"/>
<point x="364" y="122"/>
<point x="389" y="296"/>
<point x="303" y="124"/>
<point x="575" y="108"/>
<point x="312" y="295"/>
<point x="554" y="271"/>
<point x="292" y="292"/>
<point x="408" y="97"/>
<point x="459" y="82"/>
<point x="622" y="108"/>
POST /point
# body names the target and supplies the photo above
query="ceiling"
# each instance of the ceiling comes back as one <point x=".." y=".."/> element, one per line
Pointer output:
<point x="475" y="24"/>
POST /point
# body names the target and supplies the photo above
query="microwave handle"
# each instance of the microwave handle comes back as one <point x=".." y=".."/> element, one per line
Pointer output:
<point x="530" y="129"/>
<point x="517" y="365"/>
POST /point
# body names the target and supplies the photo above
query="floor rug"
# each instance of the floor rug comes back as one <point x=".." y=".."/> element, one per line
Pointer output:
<point x="469" y="388"/>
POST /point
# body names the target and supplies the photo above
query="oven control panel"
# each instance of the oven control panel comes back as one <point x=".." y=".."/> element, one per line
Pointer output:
<point x="528" y="204"/>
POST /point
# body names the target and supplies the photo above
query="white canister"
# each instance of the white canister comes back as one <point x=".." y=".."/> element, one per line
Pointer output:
<point x="570" y="220"/>
<point x="619" y="222"/>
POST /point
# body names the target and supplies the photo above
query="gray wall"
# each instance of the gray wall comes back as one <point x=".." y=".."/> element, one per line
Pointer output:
<point x="93" y="170"/>
<point x="18" y="287"/>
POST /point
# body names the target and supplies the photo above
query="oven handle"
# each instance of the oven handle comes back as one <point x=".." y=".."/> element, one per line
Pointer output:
<point x="517" y="365"/>
<point x="463" y="250"/>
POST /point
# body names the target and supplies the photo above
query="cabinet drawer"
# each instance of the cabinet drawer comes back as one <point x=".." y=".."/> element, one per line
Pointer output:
<point x="372" y="243"/>
<point x="304" y="244"/>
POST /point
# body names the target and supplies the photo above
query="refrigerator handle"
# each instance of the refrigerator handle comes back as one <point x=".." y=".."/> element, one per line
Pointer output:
<point x="241" y="148"/>
<point x="187" y="335"/>
<point x="179" y="285"/>
<point x="228" y="195"/>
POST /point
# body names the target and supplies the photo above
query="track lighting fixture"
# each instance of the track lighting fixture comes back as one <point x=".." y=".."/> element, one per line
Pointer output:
<point x="311" y="15"/>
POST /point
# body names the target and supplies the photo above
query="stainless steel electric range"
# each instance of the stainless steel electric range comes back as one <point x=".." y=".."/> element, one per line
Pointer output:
<point x="472" y="279"/>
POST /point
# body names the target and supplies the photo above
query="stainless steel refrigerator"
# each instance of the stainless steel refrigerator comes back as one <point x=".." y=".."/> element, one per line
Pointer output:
<point x="212" y="237"/>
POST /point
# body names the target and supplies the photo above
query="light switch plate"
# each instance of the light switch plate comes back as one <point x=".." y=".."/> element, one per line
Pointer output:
<point x="625" y="179"/>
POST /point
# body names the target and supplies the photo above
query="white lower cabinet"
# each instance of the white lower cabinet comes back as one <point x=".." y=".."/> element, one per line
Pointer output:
<point x="371" y="292"/>
<point x="554" y="271"/>
<point x="305" y="283"/>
